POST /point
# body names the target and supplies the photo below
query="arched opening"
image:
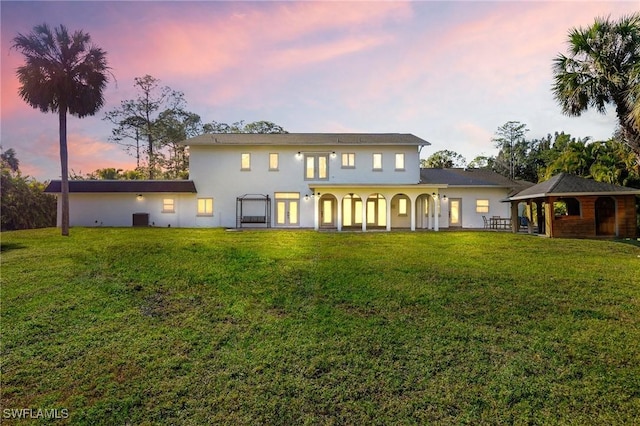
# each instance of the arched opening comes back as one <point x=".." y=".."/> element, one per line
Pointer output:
<point x="568" y="206"/>
<point x="376" y="211"/>
<point x="605" y="216"/>
<point x="352" y="211"/>
<point x="401" y="211"/>
<point x="525" y="215"/>
<point x="424" y="206"/>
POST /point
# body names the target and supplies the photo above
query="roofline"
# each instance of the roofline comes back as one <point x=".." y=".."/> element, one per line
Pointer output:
<point x="329" y="139"/>
<point x="122" y="186"/>
<point x="572" y="194"/>
<point x="378" y="185"/>
<point x="450" y="185"/>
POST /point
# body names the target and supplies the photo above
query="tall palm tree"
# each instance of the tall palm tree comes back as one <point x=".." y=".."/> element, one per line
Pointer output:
<point x="63" y="73"/>
<point x="602" y="68"/>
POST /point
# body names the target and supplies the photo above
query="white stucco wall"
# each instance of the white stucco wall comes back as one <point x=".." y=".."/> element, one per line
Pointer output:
<point x="470" y="218"/>
<point x="117" y="209"/>
<point x="216" y="170"/>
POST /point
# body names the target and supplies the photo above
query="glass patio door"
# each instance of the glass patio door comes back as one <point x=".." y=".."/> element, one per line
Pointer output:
<point x="327" y="209"/>
<point x="287" y="208"/>
<point x="455" y="212"/>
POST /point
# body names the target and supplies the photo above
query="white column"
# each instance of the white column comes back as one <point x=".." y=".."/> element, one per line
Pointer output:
<point x="316" y="203"/>
<point x="436" y="215"/>
<point x="364" y="215"/>
<point x="339" y="210"/>
<point x="432" y="213"/>
<point x="388" y="201"/>
<point x="414" y="210"/>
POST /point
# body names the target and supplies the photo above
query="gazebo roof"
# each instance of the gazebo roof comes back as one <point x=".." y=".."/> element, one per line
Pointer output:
<point x="565" y="184"/>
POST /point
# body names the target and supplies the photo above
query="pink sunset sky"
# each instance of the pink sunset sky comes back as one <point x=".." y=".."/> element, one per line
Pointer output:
<point x="448" y="72"/>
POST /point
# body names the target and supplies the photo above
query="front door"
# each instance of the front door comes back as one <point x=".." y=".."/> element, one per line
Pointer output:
<point x="327" y="207"/>
<point x="455" y="212"/>
<point x="287" y="212"/>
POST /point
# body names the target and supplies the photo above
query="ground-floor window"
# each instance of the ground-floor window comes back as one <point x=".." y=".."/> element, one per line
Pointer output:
<point x="566" y="207"/>
<point x="482" y="206"/>
<point x="402" y="206"/>
<point x="205" y="207"/>
<point x="168" y="205"/>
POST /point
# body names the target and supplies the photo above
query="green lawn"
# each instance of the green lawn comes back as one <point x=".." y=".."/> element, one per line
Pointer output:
<point x="177" y="326"/>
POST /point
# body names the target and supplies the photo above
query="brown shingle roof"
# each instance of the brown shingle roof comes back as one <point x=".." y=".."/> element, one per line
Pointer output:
<point x="565" y="184"/>
<point x="140" y="186"/>
<point x="470" y="178"/>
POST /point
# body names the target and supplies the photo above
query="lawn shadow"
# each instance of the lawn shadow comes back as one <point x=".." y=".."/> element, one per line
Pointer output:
<point x="11" y="246"/>
<point x="630" y="241"/>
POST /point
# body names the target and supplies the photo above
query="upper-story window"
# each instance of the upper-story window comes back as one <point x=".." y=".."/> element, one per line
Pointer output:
<point x="316" y="166"/>
<point x="400" y="161"/>
<point x="273" y="162"/>
<point x="245" y="161"/>
<point x="377" y="161"/>
<point x="348" y="160"/>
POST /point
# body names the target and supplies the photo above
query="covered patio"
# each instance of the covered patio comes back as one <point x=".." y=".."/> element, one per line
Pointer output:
<point x="371" y="207"/>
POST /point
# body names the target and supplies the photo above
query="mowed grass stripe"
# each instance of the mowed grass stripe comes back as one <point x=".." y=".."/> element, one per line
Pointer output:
<point x="204" y="326"/>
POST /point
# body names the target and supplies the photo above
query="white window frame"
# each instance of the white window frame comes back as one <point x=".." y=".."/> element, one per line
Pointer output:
<point x="205" y="206"/>
<point x="480" y="205"/>
<point x="245" y="161"/>
<point x="168" y="205"/>
<point x="377" y="161"/>
<point x="274" y="161"/>
<point x="403" y="206"/>
<point x="348" y="160"/>
<point x="400" y="162"/>
<point x="316" y="166"/>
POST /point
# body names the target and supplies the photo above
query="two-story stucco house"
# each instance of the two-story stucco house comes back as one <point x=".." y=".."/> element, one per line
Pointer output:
<point x="340" y="181"/>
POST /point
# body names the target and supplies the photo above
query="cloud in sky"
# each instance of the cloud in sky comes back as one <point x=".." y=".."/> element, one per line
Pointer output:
<point x="450" y="72"/>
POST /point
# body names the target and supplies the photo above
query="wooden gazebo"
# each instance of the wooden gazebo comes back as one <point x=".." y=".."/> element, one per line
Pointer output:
<point x="574" y="207"/>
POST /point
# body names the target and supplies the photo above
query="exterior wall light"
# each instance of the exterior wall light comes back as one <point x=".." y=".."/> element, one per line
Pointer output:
<point x="139" y="197"/>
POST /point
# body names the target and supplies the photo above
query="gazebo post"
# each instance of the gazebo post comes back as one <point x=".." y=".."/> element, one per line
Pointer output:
<point x="530" y="218"/>
<point x="515" y="222"/>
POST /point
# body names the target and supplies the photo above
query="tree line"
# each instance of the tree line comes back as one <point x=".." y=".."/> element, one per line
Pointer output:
<point x="65" y="73"/>
<point x="23" y="203"/>
<point x="152" y="126"/>
<point x="536" y="160"/>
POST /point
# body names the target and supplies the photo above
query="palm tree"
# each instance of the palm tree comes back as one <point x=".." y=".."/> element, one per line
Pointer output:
<point x="9" y="159"/>
<point x="602" y="68"/>
<point x="63" y="73"/>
